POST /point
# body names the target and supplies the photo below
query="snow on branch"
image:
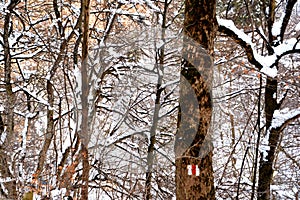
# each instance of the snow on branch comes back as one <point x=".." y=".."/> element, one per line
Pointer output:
<point x="264" y="63"/>
<point x="163" y="86"/>
<point x="282" y="117"/>
<point x="114" y="139"/>
<point x="120" y="11"/>
<point x="32" y="94"/>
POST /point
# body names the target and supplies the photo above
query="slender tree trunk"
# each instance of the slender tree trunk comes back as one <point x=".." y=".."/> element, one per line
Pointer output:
<point x="6" y="147"/>
<point x="49" y="131"/>
<point x="150" y="155"/>
<point x="259" y="130"/>
<point x="84" y="100"/>
<point x="50" y="96"/>
<point x="266" y="162"/>
<point x="160" y="68"/>
<point x="193" y="146"/>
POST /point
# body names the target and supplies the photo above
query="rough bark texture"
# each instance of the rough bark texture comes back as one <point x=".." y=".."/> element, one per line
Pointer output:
<point x="193" y="145"/>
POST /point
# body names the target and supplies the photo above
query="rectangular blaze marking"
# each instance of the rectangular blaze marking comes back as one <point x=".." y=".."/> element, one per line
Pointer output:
<point x="193" y="170"/>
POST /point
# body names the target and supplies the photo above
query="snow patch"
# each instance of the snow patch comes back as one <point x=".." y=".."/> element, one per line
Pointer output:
<point x="277" y="26"/>
<point x="3" y="137"/>
<point x="1" y="108"/>
<point x="282" y="116"/>
<point x="297" y="28"/>
<point x="6" y="180"/>
<point x="264" y="147"/>
<point x="271" y="72"/>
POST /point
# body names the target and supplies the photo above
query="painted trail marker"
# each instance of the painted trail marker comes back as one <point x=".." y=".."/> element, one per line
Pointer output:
<point x="193" y="170"/>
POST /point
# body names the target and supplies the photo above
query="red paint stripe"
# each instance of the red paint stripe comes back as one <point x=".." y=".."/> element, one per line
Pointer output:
<point x="194" y="169"/>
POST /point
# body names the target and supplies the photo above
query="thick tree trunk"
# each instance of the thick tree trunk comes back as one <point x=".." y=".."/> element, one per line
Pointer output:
<point x="193" y="146"/>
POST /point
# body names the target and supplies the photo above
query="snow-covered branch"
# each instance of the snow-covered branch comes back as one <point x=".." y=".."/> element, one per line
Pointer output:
<point x="264" y="63"/>
<point x="227" y="27"/>
<point x="115" y="139"/>
<point x="281" y="118"/>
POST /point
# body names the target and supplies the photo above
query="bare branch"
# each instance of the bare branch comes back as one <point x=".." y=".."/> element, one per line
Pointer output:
<point x="286" y="19"/>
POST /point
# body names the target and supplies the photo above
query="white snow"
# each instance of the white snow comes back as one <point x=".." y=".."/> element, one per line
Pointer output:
<point x="109" y="24"/>
<point x="113" y="139"/>
<point x="287" y="45"/>
<point x="283" y="192"/>
<point x="264" y="147"/>
<point x="297" y="28"/>
<point x="3" y="137"/>
<point x="57" y="194"/>
<point x="1" y="108"/>
<point x="125" y="12"/>
<point x="230" y="25"/>
<point x="265" y="61"/>
<point x="33" y="94"/>
<point x="5" y="180"/>
<point x="169" y="83"/>
<point x="271" y="72"/>
<point x="282" y="116"/>
<point x="277" y="26"/>
<point x="24" y="144"/>
<point x="26" y="56"/>
<point x="269" y="60"/>
<point x="28" y="73"/>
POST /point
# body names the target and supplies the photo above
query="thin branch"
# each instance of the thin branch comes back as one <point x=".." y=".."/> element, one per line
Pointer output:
<point x="294" y="161"/>
<point x="286" y="19"/>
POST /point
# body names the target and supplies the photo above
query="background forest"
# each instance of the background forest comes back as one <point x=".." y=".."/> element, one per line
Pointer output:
<point x="89" y="98"/>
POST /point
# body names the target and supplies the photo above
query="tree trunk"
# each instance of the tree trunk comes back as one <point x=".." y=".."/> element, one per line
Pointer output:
<point x="85" y="134"/>
<point x="155" y="119"/>
<point x="266" y="162"/>
<point x="6" y="147"/>
<point x="49" y="131"/>
<point x="193" y="147"/>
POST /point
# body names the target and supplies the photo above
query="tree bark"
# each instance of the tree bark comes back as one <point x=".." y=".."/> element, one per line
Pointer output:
<point x="84" y="101"/>
<point x="6" y="147"/>
<point x="193" y="145"/>
<point x="266" y="163"/>
<point x="49" y="131"/>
